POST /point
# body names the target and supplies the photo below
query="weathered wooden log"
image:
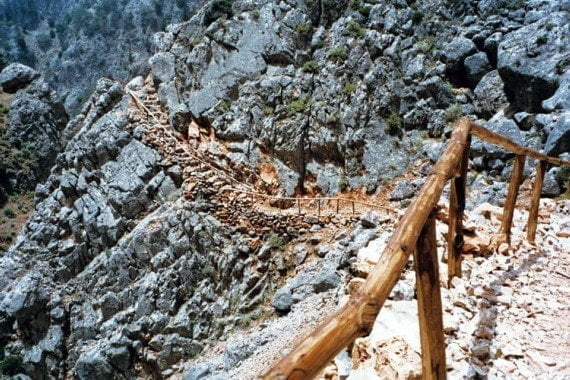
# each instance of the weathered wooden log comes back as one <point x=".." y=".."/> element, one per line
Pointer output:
<point x="455" y="223"/>
<point x="497" y="139"/>
<point x="541" y="169"/>
<point x="429" y="304"/>
<point x="511" y="200"/>
<point x="357" y="316"/>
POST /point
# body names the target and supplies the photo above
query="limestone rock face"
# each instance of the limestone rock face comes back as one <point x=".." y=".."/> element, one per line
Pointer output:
<point x="532" y="60"/>
<point x="33" y="128"/>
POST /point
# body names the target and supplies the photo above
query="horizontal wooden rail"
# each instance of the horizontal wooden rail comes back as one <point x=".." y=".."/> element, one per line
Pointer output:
<point x="497" y="139"/>
<point x="303" y="199"/>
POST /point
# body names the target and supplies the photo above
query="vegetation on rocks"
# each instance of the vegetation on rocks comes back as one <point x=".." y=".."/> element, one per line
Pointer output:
<point x="394" y="124"/>
<point x="299" y="105"/>
<point x="11" y="365"/>
<point x="355" y="30"/>
<point x="310" y="66"/>
<point x="275" y="241"/>
<point x="217" y="9"/>
<point x="454" y="112"/>
<point x="338" y="54"/>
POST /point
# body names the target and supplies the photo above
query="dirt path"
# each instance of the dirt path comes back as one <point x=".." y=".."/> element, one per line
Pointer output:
<point x="506" y="318"/>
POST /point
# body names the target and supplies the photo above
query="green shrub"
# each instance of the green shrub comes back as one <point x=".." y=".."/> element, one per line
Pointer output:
<point x="365" y="10"/>
<point x="454" y="112"/>
<point x="4" y="109"/>
<point x="310" y="67"/>
<point x="275" y="241"/>
<point x="224" y="106"/>
<point x="427" y="44"/>
<point x="343" y="183"/>
<point x="355" y="30"/>
<point x="12" y="365"/>
<point x="394" y="124"/>
<point x="417" y="17"/>
<point x="9" y="213"/>
<point x="332" y="118"/>
<point x="541" y="40"/>
<point x="349" y="88"/>
<point x="217" y="9"/>
<point x="304" y="29"/>
<point x="299" y="105"/>
<point x="563" y="177"/>
<point x="244" y="320"/>
<point x="338" y="54"/>
<point x="267" y="110"/>
<point x="208" y="271"/>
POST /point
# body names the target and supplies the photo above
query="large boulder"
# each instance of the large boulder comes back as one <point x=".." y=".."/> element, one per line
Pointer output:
<point x="558" y="141"/>
<point x="454" y="55"/>
<point x="532" y="59"/>
<point x="17" y="76"/>
<point x="489" y="94"/>
<point x="476" y="66"/>
<point x="561" y="98"/>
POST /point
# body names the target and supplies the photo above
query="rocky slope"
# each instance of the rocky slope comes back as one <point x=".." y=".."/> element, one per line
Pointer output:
<point x="144" y="250"/>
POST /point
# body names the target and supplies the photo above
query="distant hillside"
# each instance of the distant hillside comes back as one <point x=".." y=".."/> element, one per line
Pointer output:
<point x="73" y="43"/>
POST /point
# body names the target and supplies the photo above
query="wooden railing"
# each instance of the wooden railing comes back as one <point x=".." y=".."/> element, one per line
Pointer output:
<point x="415" y="233"/>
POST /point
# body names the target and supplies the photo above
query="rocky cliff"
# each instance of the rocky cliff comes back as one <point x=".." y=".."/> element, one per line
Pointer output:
<point x="144" y="249"/>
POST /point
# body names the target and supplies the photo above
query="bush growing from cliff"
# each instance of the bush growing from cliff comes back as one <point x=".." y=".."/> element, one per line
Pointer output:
<point x="310" y="67"/>
<point x="12" y="365"/>
<point x="349" y="88"/>
<point x="427" y="44"/>
<point x="453" y="112"/>
<point x="217" y="9"/>
<point x="394" y="124"/>
<point x="417" y="17"/>
<point x="563" y="177"/>
<point x="299" y="105"/>
<point x="9" y="213"/>
<point x="275" y="241"/>
<point x="355" y="30"/>
<point x="304" y="30"/>
<point x="338" y="54"/>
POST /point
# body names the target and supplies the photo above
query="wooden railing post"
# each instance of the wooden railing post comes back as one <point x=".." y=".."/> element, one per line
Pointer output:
<point x="299" y="206"/>
<point x="455" y="223"/>
<point x="535" y="200"/>
<point x="319" y="207"/>
<point x="511" y="200"/>
<point x="429" y="303"/>
<point x="337" y="205"/>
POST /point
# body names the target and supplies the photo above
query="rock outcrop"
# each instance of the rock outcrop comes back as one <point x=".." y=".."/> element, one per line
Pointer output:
<point x="32" y="131"/>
